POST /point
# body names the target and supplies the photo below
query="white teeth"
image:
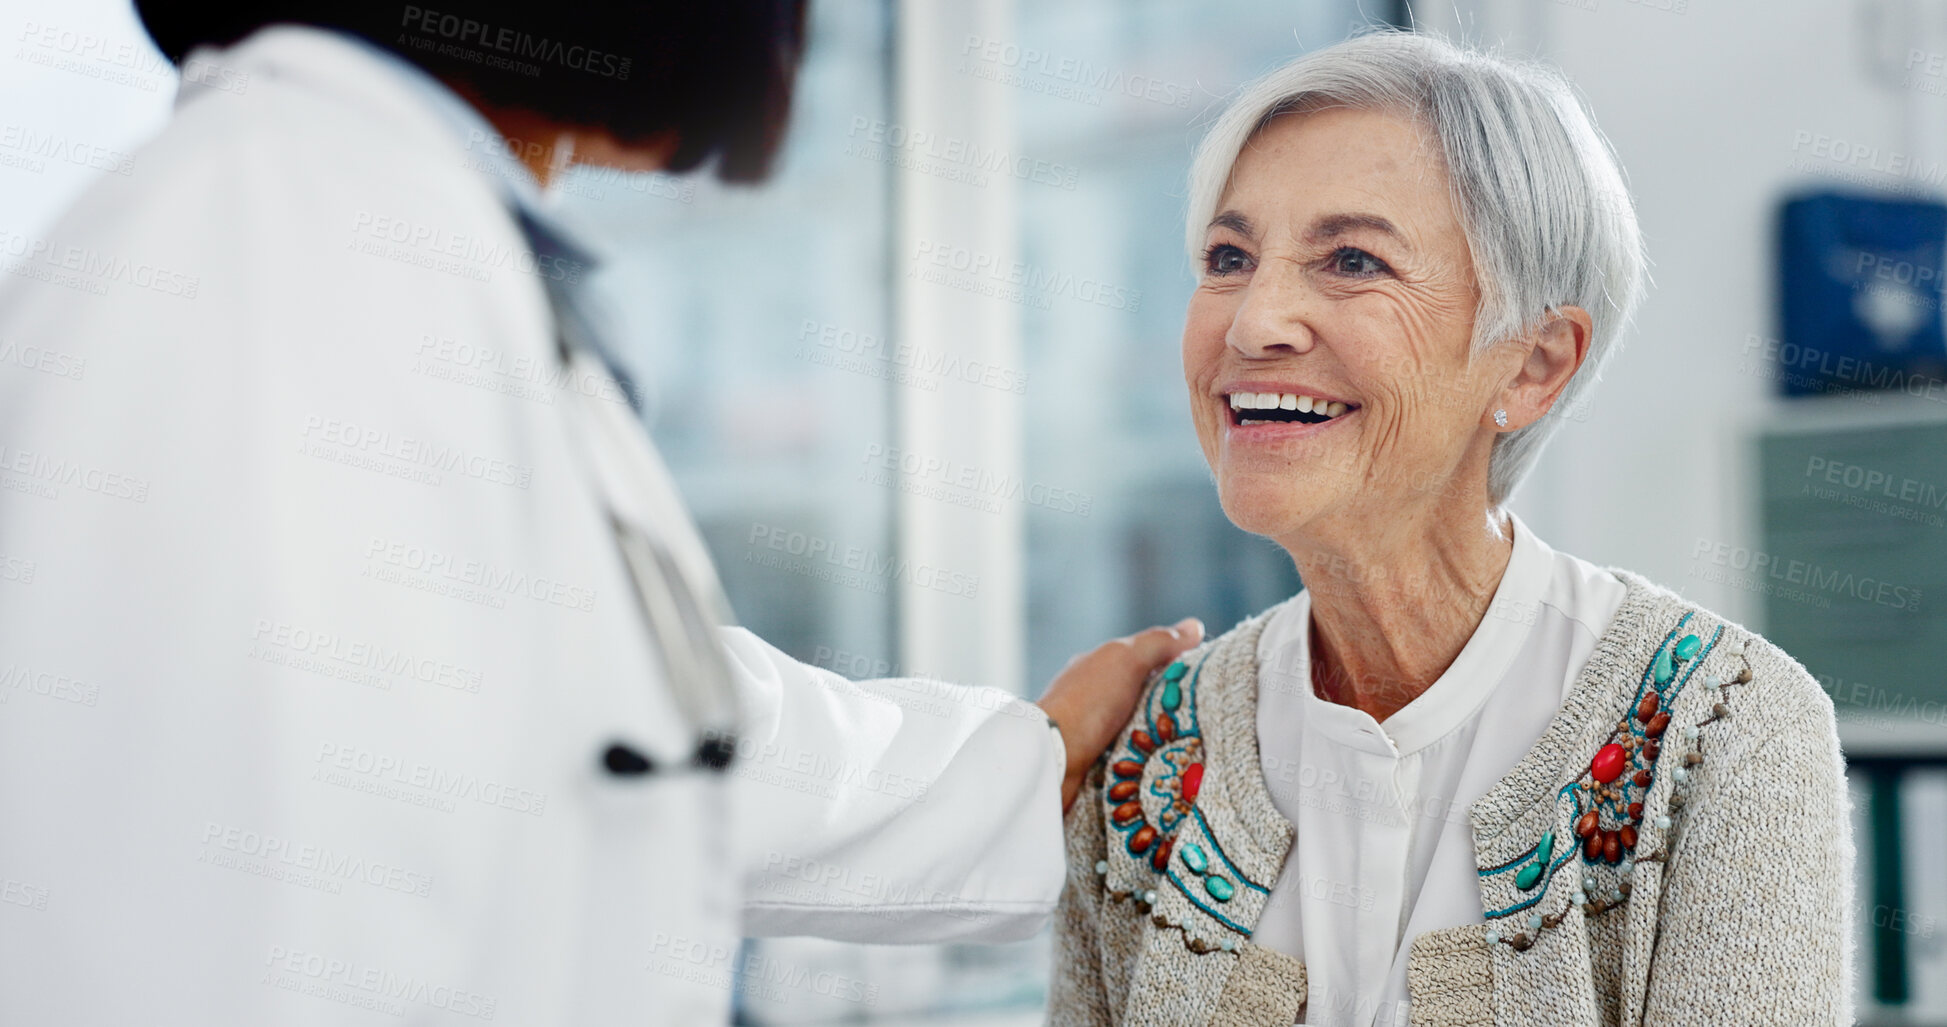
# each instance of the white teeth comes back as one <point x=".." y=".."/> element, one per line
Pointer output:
<point x="1285" y="401"/>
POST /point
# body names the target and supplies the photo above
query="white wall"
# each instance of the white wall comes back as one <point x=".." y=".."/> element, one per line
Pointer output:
<point x="81" y="87"/>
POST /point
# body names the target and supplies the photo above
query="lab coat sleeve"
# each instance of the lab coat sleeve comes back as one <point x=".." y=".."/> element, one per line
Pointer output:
<point x="898" y="810"/>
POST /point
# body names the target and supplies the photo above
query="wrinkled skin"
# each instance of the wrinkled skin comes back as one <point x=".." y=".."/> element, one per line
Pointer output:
<point x="1338" y="267"/>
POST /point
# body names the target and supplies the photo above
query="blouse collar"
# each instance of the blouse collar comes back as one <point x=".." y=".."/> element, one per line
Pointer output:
<point x="1465" y="685"/>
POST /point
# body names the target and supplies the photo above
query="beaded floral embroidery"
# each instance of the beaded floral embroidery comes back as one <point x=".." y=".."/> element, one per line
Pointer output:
<point x="1608" y="796"/>
<point x="1176" y="747"/>
<point x="1171" y="740"/>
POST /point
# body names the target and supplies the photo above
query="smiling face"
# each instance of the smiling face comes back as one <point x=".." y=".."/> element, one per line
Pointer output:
<point x="1337" y="275"/>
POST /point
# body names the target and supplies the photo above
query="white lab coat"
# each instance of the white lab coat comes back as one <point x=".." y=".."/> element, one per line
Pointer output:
<point x="313" y="634"/>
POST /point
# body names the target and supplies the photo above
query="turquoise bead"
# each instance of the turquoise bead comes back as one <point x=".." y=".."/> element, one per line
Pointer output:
<point x="1194" y="858"/>
<point x="1219" y="887"/>
<point x="1687" y="647"/>
<point x="1663" y="669"/>
<point x="1545" y="849"/>
<point x="1529" y="876"/>
<point x="1172" y="695"/>
<point x="1175" y="672"/>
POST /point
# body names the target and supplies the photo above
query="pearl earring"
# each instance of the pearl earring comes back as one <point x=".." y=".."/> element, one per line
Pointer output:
<point x="1500" y="418"/>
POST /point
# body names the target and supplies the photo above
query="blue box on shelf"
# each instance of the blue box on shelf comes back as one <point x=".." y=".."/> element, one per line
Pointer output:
<point x="1862" y="280"/>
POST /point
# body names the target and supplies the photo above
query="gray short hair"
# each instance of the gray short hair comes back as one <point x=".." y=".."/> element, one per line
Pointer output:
<point x="1539" y="192"/>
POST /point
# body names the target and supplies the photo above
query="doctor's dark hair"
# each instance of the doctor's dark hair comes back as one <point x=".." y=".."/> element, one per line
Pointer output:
<point x="718" y="74"/>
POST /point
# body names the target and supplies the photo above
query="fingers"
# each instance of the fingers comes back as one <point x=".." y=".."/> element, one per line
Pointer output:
<point x="1158" y="646"/>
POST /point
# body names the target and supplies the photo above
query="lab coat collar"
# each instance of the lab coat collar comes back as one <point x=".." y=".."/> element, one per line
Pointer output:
<point x="389" y="87"/>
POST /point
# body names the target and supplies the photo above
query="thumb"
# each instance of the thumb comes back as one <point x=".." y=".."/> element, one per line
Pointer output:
<point x="1158" y="646"/>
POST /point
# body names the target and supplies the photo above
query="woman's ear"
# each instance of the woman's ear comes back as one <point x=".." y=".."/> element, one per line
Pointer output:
<point x="1557" y="350"/>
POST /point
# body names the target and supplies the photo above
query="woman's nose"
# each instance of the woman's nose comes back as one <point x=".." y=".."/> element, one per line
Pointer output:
<point x="1275" y="318"/>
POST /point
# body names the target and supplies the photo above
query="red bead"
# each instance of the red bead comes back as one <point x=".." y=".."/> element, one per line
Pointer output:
<point x="1141" y="740"/>
<point x="1192" y="781"/>
<point x="1643" y="778"/>
<point x="1628" y="836"/>
<point x="1127" y="768"/>
<point x="1126" y="812"/>
<point x="1140" y="841"/>
<point x="1635" y="811"/>
<point x="1608" y="763"/>
<point x="1611" y="847"/>
<point x="1161" y="858"/>
<point x="1122" y="791"/>
<point x="1592" y="846"/>
<point x="1657" y="725"/>
<point x="1165" y="728"/>
<point x="1647" y="708"/>
<point x="1586" y="826"/>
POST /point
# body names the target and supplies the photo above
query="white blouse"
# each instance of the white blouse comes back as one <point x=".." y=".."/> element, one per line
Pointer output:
<point x="1384" y="851"/>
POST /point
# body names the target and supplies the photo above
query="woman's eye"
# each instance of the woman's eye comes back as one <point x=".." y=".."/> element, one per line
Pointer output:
<point x="1347" y="260"/>
<point x="1224" y="259"/>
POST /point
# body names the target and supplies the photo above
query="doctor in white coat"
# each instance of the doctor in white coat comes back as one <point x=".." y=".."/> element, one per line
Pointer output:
<point x="341" y="680"/>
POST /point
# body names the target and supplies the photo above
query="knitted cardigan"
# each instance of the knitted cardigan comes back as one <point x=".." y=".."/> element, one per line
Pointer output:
<point x="1734" y="906"/>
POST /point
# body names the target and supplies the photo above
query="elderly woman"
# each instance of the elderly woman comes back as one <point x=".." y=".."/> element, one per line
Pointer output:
<point x="1461" y="778"/>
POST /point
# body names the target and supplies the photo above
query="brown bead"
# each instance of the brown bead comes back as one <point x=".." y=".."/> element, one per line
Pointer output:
<point x="1628" y="836"/>
<point x="1141" y="740"/>
<point x="1635" y="811"/>
<point x="1122" y="791"/>
<point x="1126" y="812"/>
<point x="1624" y="888"/>
<point x="1691" y="759"/>
<point x="1586" y="826"/>
<point x="1657" y="725"/>
<point x="1720" y="710"/>
<point x="1165" y="728"/>
<point x="1647" y="708"/>
<point x="1140" y="841"/>
<point x="1744" y="676"/>
<point x="1611" y="847"/>
<point x="1676" y="798"/>
<point x="1161" y="857"/>
<point x="1520" y="942"/>
<point x="1642" y="778"/>
<point x="1198" y="946"/>
<point x="1650" y="751"/>
<point x="1592" y="846"/>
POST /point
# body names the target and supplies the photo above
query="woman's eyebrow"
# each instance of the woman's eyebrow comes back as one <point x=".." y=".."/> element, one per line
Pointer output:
<point x="1236" y="222"/>
<point x="1329" y="225"/>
